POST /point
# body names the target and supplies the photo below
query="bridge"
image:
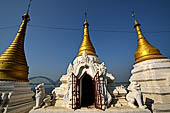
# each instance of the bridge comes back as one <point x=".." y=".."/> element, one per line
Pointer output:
<point x="48" y="81"/>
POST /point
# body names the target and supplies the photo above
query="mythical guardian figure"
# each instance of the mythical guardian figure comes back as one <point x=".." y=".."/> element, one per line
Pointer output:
<point x="41" y="97"/>
<point x="134" y="95"/>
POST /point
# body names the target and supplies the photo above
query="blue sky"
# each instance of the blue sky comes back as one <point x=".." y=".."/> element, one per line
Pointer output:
<point x="49" y="51"/>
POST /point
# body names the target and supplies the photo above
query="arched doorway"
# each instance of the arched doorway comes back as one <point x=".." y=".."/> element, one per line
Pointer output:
<point x="87" y="91"/>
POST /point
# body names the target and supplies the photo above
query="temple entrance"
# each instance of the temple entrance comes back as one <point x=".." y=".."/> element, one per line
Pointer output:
<point x="87" y="91"/>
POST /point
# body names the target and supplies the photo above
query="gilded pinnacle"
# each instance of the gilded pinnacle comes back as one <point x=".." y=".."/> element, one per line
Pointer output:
<point x="145" y="51"/>
<point x="13" y="64"/>
<point x="86" y="43"/>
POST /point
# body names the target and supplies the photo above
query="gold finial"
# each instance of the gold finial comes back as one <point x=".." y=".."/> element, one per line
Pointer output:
<point x="85" y="22"/>
<point x="29" y="6"/>
<point x="145" y="51"/>
<point x="133" y="14"/>
<point x="136" y="23"/>
<point x="85" y="15"/>
<point x="86" y="43"/>
<point x="13" y="64"/>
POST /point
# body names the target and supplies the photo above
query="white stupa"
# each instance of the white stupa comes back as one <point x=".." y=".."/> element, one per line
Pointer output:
<point x="152" y="71"/>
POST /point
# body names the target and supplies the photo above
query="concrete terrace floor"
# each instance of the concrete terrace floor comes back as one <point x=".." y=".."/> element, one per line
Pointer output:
<point x="53" y="109"/>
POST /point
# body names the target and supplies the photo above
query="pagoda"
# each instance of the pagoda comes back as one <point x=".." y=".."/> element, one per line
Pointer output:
<point x="86" y="81"/>
<point x="152" y="71"/>
<point x="16" y="93"/>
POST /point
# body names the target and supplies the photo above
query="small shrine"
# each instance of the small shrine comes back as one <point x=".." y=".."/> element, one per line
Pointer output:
<point x="86" y="82"/>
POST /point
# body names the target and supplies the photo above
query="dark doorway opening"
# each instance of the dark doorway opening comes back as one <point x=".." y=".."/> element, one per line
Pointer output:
<point x="87" y="91"/>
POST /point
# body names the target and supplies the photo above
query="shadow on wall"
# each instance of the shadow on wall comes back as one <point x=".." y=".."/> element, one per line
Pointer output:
<point x="149" y="103"/>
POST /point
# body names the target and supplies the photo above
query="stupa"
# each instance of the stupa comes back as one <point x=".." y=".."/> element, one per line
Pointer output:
<point x="15" y="91"/>
<point x="86" y="81"/>
<point x="152" y="71"/>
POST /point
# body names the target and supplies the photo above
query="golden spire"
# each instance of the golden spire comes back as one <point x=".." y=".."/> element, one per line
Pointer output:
<point x="86" y="43"/>
<point x="13" y="64"/>
<point x="145" y="51"/>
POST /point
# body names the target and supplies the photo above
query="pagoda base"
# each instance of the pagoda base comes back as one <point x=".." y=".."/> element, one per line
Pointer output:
<point x="154" y="79"/>
<point x="16" y="97"/>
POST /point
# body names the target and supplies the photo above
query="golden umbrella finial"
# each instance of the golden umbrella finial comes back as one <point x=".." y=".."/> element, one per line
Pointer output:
<point x="145" y="51"/>
<point x="86" y="43"/>
<point x="133" y="14"/>
<point x="136" y="22"/>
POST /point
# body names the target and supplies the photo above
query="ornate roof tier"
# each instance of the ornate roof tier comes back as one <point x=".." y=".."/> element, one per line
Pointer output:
<point x="13" y="64"/>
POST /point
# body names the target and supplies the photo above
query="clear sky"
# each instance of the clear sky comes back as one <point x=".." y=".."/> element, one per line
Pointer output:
<point x="49" y="51"/>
